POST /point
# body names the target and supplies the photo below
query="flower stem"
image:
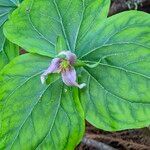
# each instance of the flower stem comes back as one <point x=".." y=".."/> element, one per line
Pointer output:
<point x="79" y="63"/>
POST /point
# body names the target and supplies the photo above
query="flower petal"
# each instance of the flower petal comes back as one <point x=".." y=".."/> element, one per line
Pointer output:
<point x="54" y="66"/>
<point x="70" y="56"/>
<point x="69" y="78"/>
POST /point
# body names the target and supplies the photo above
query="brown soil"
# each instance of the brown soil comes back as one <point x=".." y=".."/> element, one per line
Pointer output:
<point x="138" y="139"/>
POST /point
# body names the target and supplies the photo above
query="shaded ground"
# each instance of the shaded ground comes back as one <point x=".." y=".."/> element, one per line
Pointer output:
<point x="124" y="140"/>
<point x="138" y="139"/>
<point x="122" y="5"/>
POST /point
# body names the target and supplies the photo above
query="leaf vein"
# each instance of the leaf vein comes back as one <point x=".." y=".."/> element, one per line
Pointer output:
<point x="121" y="98"/>
<point x="51" y="127"/>
<point x="35" y="29"/>
<point x="31" y="111"/>
<point x="62" y="25"/>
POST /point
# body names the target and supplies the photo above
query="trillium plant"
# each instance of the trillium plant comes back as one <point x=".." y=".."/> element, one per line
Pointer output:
<point x="81" y="65"/>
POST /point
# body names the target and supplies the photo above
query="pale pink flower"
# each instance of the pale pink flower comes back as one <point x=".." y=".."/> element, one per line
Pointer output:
<point x="65" y="67"/>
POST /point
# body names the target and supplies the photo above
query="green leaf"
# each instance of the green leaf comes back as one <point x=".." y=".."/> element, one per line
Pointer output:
<point x="10" y="51"/>
<point x="3" y="60"/>
<point x="36" y="25"/>
<point x="60" y="44"/>
<point x="7" y="49"/>
<point x="2" y="39"/>
<point x="6" y="7"/>
<point x="117" y="95"/>
<point x="123" y="33"/>
<point x="3" y="57"/>
<point x="36" y="116"/>
<point x="9" y="3"/>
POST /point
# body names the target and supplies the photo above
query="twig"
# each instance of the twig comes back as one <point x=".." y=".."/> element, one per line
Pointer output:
<point x="130" y="144"/>
<point x="96" y="144"/>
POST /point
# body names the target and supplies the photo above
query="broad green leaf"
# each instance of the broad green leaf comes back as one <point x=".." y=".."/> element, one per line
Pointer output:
<point x="9" y="3"/>
<point x="36" y="116"/>
<point x="3" y="59"/>
<point x="117" y="96"/>
<point x="2" y="39"/>
<point x="36" y="25"/>
<point x="7" y="49"/>
<point x="6" y="7"/>
<point x="9" y="52"/>
<point x="120" y="34"/>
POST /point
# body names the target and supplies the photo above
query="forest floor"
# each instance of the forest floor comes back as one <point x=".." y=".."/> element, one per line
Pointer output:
<point x="138" y="139"/>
